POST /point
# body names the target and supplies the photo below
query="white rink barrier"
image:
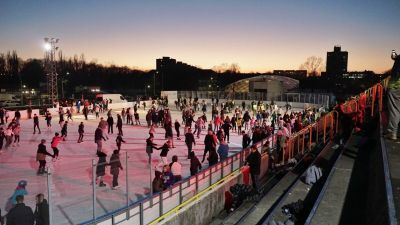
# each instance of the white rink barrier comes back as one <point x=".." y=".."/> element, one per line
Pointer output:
<point x="24" y="113"/>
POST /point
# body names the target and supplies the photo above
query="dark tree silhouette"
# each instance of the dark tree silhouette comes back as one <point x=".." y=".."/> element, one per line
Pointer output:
<point x="313" y="65"/>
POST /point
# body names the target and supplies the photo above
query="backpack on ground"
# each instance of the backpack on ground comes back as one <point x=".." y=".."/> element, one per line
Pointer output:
<point x="312" y="175"/>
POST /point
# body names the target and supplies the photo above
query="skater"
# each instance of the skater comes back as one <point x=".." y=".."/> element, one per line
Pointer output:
<point x="2" y="114"/>
<point x="69" y="115"/>
<point x="164" y="152"/>
<point x="41" y="210"/>
<point x="2" y="137"/>
<point x="128" y="116"/>
<point x="136" y="115"/>
<point x="212" y="158"/>
<point x="223" y="150"/>
<point x="16" y="131"/>
<point x="189" y="140"/>
<point x="54" y="144"/>
<point x="246" y="140"/>
<point x="17" y="116"/>
<point x="149" y="147"/>
<point x="131" y="116"/>
<point x="158" y="182"/>
<point x="98" y="139"/>
<point x="61" y="115"/>
<point x="210" y="143"/>
<point x="48" y="119"/>
<point x="35" y="123"/>
<point x="167" y="176"/>
<point x="19" y="190"/>
<point x="198" y="126"/>
<point x="177" y="126"/>
<point x="119" y="141"/>
<point x="8" y="134"/>
<point x="97" y="110"/>
<point x="81" y="131"/>
<point x="85" y="112"/>
<point x="176" y="169"/>
<point x="101" y="168"/>
<point x="103" y="125"/>
<point x="168" y="133"/>
<point x="195" y="164"/>
<point x="41" y="157"/>
<point x="119" y="125"/>
<point x="123" y="114"/>
<point x="115" y="166"/>
<point x="226" y="127"/>
<point x="7" y="115"/>
<point x="64" y="130"/>
<point x="110" y="124"/>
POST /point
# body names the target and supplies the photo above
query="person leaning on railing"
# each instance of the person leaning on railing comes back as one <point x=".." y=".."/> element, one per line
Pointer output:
<point x="393" y="101"/>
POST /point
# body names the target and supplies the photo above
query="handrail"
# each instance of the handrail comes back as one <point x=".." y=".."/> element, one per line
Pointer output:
<point x="388" y="182"/>
<point x="194" y="198"/>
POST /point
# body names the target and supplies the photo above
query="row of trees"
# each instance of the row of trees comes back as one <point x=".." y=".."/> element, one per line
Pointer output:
<point x="74" y="72"/>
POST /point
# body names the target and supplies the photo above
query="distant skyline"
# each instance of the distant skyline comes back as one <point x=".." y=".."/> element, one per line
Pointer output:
<point x="257" y="35"/>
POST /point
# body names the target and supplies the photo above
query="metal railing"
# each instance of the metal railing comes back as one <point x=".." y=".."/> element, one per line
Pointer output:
<point x="157" y="204"/>
<point x="313" y="98"/>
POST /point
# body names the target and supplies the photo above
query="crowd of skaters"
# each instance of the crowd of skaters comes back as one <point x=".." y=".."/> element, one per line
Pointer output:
<point x="253" y="122"/>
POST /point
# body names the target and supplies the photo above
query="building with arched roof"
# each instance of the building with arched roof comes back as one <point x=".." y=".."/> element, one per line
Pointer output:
<point x="271" y="84"/>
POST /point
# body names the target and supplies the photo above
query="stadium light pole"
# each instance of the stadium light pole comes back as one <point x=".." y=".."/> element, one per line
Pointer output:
<point x="50" y="67"/>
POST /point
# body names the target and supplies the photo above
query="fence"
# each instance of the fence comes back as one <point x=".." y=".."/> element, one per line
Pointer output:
<point x="314" y="98"/>
<point x="155" y="205"/>
<point x="328" y="126"/>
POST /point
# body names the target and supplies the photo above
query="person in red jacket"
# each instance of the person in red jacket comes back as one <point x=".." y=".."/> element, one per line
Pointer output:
<point x="54" y="144"/>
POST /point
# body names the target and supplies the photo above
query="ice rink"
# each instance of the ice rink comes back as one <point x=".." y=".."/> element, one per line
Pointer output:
<point x="72" y="174"/>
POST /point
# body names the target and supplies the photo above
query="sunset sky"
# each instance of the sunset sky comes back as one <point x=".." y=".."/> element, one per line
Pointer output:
<point x="258" y="35"/>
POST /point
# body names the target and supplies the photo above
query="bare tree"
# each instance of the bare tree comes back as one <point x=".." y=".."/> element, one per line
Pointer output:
<point x="226" y="68"/>
<point x="3" y="64"/>
<point x="313" y="65"/>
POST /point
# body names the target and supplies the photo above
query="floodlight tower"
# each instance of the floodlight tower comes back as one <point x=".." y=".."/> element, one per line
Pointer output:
<point x="50" y="67"/>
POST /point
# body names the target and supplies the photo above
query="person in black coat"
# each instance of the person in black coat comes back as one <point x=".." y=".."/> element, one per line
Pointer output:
<point x="81" y="131"/>
<point x="101" y="168"/>
<point x="177" y="126"/>
<point x="64" y="130"/>
<point x="210" y="143"/>
<point x="195" y="164"/>
<point x="98" y="138"/>
<point x="245" y="140"/>
<point x="20" y="214"/>
<point x="149" y="147"/>
<point x="115" y="166"/>
<point x="119" y="125"/>
<point x="42" y="210"/>
<point x="189" y="140"/>
<point x="119" y="141"/>
<point x="110" y="122"/>
<point x="35" y="123"/>
<point x="254" y="161"/>
<point x="212" y="158"/>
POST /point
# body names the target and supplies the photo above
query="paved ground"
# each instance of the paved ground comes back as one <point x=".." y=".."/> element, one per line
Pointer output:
<point x="393" y="149"/>
<point x="71" y="189"/>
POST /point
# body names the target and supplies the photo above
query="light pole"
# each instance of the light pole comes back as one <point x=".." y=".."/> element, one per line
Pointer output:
<point x="154" y="83"/>
<point x="50" y="67"/>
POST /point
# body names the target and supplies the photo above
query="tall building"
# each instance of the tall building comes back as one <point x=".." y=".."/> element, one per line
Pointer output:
<point x="336" y="62"/>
